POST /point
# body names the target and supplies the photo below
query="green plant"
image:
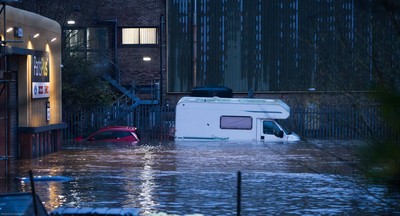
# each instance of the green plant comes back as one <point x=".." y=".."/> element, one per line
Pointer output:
<point x="82" y="85"/>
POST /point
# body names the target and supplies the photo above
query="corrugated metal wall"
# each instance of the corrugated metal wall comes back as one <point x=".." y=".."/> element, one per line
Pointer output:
<point x="274" y="45"/>
<point x="180" y="49"/>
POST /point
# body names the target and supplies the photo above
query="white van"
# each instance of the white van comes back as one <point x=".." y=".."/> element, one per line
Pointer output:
<point x="233" y="119"/>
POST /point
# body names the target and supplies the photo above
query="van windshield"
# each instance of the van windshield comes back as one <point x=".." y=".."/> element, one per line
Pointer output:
<point x="284" y="128"/>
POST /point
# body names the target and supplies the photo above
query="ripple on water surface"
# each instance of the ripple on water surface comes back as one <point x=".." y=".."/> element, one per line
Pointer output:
<point x="201" y="177"/>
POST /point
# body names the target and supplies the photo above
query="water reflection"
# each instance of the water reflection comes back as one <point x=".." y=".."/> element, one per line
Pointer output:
<point x="189" y="177"/>
<point x="147" y="179"/>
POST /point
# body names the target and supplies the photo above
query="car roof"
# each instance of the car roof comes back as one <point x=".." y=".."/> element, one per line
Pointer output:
<point x="118" y="128"/>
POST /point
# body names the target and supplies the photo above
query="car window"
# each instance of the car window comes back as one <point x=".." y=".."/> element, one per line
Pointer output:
<point x="121" y="134"/>
<point x="104" y="135"/>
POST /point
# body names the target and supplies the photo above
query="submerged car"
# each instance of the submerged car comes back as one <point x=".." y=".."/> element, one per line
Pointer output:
<point x="113" y="134"/>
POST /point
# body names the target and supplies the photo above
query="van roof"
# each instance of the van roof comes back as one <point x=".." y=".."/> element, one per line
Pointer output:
<point x="273" y="108"/>
<point x="232" y="100"/>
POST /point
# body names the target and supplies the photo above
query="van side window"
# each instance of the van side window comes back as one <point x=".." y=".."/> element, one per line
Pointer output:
<point x="236" y="122"/>
<point x="269" y="127"/>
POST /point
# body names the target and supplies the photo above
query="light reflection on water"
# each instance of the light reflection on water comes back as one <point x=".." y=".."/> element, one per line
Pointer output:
<point x="316" y="177"/>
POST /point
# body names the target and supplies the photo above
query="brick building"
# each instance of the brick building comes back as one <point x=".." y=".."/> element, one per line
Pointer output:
<point x="137" y="38"/>
<point x="125" y="39"/>
<point x="264" y="46"/>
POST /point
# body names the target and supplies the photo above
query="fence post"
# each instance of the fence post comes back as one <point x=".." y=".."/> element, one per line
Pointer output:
<point x="239" y="193"/>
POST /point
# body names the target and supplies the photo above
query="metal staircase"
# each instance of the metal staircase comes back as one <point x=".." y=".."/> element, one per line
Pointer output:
<point x="128" y="101"/>
<point x="135" y="101"/>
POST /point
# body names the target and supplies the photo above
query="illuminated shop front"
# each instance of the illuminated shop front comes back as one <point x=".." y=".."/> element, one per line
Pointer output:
<point x="30" y="85"/>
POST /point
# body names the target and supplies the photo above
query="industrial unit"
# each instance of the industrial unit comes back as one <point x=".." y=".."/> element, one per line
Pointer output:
<point x="30" y="85"/>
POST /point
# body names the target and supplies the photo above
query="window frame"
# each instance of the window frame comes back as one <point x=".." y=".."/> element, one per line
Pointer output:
<point x="85" y="48"/>
<point x="223" y="126"/>
<point x="120" y="29"/>
<point x="275" y="127"/>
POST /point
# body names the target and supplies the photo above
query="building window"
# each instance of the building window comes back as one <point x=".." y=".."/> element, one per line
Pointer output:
<point x="84" y="39"/>
<point x="136" y="36"/>
<point x="75" y="39"/>
<point x="88" y="43"/>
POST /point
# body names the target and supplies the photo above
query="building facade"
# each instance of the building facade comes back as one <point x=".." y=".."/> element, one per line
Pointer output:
<point x="280" y="45"/>
<point x="30" y="83"/>
<point x="263" y="46"/>
<point x="124" y="38"/>
<point x="310" y="54"/>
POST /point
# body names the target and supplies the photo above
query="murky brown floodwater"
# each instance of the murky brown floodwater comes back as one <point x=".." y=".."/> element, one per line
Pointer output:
<point x="316" y="177"/>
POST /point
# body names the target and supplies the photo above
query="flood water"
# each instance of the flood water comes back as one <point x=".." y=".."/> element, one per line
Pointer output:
<point x="317" y="177"/>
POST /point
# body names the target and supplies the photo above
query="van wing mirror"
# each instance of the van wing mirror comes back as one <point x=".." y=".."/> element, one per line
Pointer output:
<point x="278" y="134"/>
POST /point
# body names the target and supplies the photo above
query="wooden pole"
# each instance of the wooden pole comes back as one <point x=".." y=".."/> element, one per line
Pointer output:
<point x="239" y="193"/>
<point x="33" y="192"/>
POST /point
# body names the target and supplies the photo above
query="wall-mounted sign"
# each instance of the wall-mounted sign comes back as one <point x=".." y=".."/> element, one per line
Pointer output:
<point x="18" y="32"/>
<point x="40" y="75"/>
<point x="40" y="89"/>
<point x="47" y="110"/>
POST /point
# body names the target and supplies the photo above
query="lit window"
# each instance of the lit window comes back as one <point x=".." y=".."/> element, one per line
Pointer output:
<point x="139" y="36"/>
<point x="130" y="36"/>
<point x="148" y="36"/>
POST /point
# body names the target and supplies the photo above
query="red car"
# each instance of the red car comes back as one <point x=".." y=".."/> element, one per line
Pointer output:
<point x="113" y="134"/>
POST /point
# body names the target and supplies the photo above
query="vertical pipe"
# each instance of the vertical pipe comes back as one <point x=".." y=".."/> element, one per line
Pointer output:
<point x="160" y="87"/>
<point x="194" y="43"/>
<point x="6" y="125"/>
<point x="6" y="93"/>
<point x="4" y="21"/>
<point x="239" y="193"/>
<point x="116" y="48"/>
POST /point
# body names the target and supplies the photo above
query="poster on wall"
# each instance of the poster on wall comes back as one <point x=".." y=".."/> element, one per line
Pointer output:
<point x="40" y="75"/>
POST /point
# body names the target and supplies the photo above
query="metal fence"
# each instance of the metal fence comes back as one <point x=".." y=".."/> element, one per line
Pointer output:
<point x="341" y="122"/>
<point x="153" y="122"/>
<point x="157" y="123"/>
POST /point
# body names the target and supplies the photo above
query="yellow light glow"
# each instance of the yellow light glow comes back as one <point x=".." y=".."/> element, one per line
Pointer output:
<point x="10" y="29"/>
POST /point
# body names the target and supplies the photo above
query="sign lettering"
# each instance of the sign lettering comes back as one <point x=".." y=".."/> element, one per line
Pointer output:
<point x="40" y="75"/>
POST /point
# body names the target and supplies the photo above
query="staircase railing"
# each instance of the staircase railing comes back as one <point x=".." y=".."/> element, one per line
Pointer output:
<point x="127" y="103"/>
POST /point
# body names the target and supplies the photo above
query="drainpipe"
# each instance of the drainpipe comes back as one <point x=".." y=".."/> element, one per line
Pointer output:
<point x="116" y="48"/>
<point x="160" y="88"/>
<point x="6" y="119"/>
<point x="194" y="43"/>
